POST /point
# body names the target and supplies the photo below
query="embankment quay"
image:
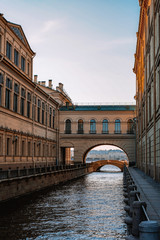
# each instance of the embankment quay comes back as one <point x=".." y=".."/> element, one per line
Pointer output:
<point x="141" y="196"/>
<point x="149" y="192"/>
<point x="16" y="183"/>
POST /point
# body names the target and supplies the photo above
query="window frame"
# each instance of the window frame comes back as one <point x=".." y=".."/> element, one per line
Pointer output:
<point x="92" y="126"/>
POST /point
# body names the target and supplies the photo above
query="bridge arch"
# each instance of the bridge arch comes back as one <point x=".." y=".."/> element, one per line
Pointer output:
<point x="98" y="164"/>
<point x="88" y="150"/>
<point x="83" y="144"/>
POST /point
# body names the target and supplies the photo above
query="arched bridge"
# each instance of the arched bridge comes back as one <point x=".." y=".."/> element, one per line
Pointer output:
<point x="98" y="164"/>
<point x="84" y="127"/>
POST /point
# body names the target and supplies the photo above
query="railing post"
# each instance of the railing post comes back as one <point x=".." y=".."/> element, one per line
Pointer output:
<point x="137" y="216"/>
<point x="149" y="230"/>
<point x="132" y="198"/>
<point x="9" y="173"/>
<point x="18" y="172"/>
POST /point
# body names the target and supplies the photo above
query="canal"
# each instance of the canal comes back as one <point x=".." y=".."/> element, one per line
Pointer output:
<point x="88" y="208"/>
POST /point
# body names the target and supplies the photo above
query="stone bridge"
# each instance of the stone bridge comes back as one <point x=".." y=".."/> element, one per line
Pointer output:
<point x="98" y="164"/>
<point x="85" y="127"/>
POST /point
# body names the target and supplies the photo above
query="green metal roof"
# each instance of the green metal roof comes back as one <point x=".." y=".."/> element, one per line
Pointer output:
<point x="98" y="108"/>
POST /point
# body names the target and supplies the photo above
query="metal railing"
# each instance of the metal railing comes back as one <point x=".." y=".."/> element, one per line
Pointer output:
<point x="105" y="103"/>
<point x="9" y="174"/>
<point x="126" y="171"/>
<point x="143" y="208"/>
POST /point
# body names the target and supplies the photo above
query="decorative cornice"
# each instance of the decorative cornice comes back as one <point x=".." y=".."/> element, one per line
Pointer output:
<point x="14" y="131"/>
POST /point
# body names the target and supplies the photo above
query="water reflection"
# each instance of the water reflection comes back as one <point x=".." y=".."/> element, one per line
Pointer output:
<point x="110" y="168"/>
<point x="88" y="208"/>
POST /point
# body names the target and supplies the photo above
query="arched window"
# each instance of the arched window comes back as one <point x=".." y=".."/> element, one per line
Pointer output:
<point x="92" y="126"/>
<point x="130" y="126"/>
<point x="68" y="126"/>
<point x="117" y="126"/>
<point x="80" y="126"/>
<point x="105" y="126"/>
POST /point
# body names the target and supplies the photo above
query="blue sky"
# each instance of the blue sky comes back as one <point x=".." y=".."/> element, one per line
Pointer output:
<point x="88" y="45"/>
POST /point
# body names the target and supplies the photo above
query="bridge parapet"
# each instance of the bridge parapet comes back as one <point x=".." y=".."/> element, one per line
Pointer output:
<point x="98" y="164"/>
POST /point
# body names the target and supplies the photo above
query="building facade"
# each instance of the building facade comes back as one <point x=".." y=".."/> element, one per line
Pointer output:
<point x="28" y="114"/>
<point x="147" y="70"/>
<point x="85" y="127"/>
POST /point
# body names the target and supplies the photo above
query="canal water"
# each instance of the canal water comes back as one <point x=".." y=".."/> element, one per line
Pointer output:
<point x="88" y="208"/>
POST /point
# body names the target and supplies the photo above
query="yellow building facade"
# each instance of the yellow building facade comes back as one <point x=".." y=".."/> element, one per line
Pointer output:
<point x="83" y="127"/>
<point x="147" y="70"/>
<point x="28" y="114"/>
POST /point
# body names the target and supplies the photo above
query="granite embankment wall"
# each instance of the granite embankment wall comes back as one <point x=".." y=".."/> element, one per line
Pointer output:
<point x="13" y="187"/>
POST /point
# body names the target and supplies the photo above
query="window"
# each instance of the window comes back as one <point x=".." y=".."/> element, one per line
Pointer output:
<point x="149" y="105"/>
<point x="0" y="43"/>
<point x="53" y="118"/>
<point x="15" y="147"/>
<point x="8" y="92"/>
<point x="1" y="144"/>
<point x="47" y="150"/>
<point x="28" y="104"/>
<point x="34" y="108"/>
<point x="80" y="126"/>
<point x="29" y="149"/>
<point x="23" y="148"/>
<point x="16" y="57"/>
<point x="28" y="71"/>
<point x="34" y="149"/>
<point x="105" y="126"/>
<point x="1" y="78"/>
<point x="1" y="83"/>
<point x="43" y="108"/>
<point x="23" y="64"/>
<point x="46" y="114"/>
<point x="43" y="150"/>
<point x="150" y="150"/>
<point x="15" y="97"/>
<point x="0" y="95"/>
<point x="23" y="95"/>
<point x="92" y="126"/>
<point x="9" y="51"/>
<point x="68" y="126"/>
<point x="130" y="126"/>
<point x="117" y="126"/>
<point x="50" y="116"/>
<point x="8" y="146"/>
<point x="39" y="149"/>
<point x="38" y="110"/>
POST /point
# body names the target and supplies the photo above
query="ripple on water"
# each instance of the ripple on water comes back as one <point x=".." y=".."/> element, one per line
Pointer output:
<point x="88" y="208"/>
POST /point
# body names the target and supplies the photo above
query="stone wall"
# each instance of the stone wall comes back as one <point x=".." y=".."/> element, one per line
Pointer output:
<point x="16" y="187"/>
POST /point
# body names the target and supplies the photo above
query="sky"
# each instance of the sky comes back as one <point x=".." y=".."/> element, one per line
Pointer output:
<point x="88" y="45"/>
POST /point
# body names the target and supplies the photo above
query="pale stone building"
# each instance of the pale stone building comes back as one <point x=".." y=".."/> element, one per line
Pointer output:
<point x="28" y="114"/>
<point x="147" y="70"/>
<point x="84" y="127"/>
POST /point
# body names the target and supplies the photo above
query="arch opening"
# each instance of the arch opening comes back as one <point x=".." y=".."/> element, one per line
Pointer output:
<point x="105" y="152"/>
<point x="109" y="168"/>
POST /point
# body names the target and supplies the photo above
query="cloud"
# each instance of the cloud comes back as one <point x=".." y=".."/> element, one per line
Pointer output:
<point x="52" y="25"/>
<point x="45" y="29"/>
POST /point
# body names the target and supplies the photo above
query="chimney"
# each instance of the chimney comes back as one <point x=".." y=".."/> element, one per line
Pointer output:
<point x="43" y="83"/>
<point x="61" y="86"/>
<point x="50" y="83"/>
<point x="35" y="78"/>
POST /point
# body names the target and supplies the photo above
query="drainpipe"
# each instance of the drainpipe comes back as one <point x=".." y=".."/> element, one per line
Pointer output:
<point x="47" y="128"/>
<point x="33" y="122"/>
<point x="57" y="137"/>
